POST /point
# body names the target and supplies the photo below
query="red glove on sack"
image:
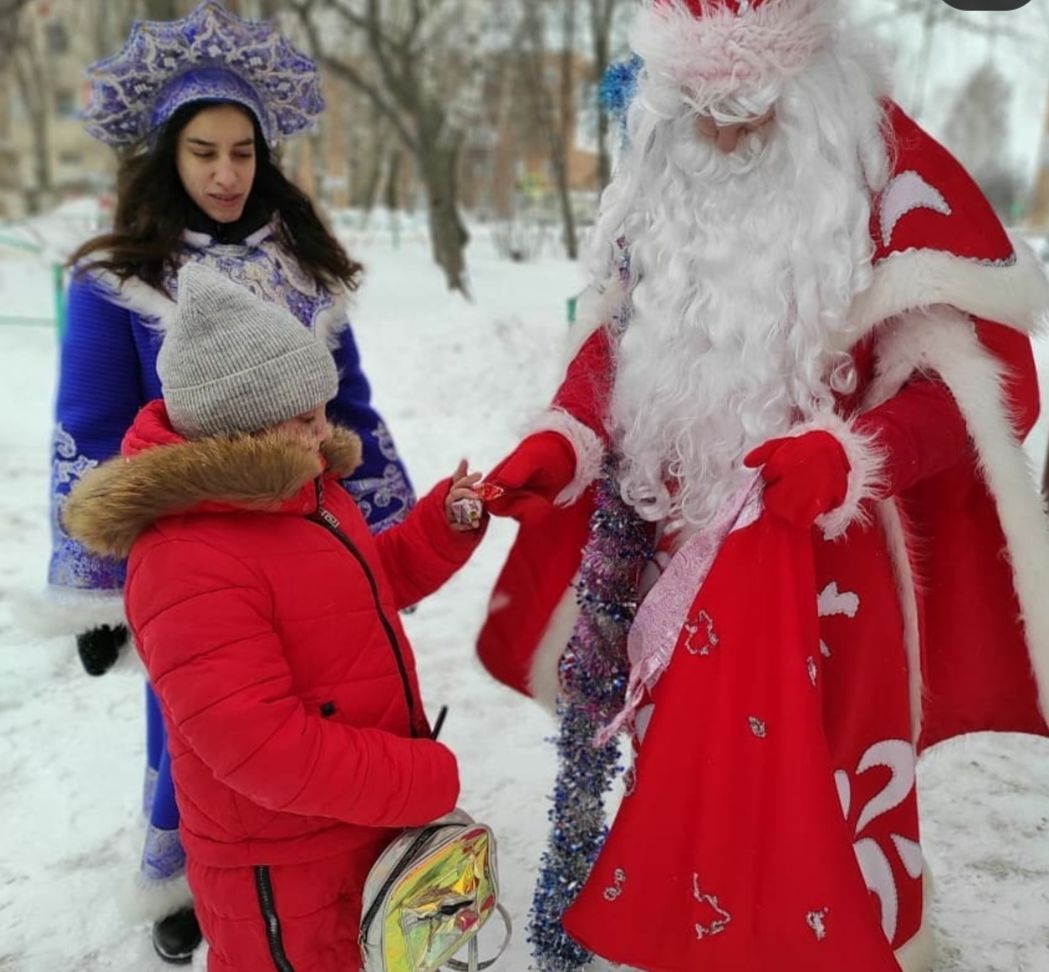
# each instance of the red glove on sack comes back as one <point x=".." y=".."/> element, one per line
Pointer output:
<point x="532" y="476"/>
<point x="805" y="476"/>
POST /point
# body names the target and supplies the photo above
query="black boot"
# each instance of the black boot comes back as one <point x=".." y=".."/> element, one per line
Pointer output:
<point x="176" y="936"/>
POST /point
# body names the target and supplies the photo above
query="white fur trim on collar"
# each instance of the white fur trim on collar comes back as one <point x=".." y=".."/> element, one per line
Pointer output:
<point x="1014" y="293"/>
<point x="136" y="296"/>
<point x="333" y="321"/>
<point x="722" y="53"/>
<point x="202" y="241"/>
<point x="158" y="310"/>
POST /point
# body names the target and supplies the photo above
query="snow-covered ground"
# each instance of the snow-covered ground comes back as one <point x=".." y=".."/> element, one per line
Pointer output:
<point x="454" y="379"/>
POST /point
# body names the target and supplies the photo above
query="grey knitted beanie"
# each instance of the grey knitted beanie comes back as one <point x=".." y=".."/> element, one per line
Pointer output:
<point x="232" y="362"/>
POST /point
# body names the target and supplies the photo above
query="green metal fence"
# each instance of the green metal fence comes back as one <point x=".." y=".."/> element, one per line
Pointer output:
<point x="58" y="285"/>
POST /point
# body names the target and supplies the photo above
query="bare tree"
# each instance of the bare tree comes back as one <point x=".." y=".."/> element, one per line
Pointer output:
<point x="555" y="124"/>
<point x="10" y="11"/>
<point x="421" y="66"/>
<point x="929" y="18"/>
<point x="978" y="132"/>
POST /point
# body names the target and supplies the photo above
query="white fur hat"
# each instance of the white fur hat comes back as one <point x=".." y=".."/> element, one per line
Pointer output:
<point x="718" y="51"/>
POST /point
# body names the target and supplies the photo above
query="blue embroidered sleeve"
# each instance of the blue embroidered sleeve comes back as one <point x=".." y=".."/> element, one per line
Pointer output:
<point x="99" y="393"/>
<point x="380" y="485"/>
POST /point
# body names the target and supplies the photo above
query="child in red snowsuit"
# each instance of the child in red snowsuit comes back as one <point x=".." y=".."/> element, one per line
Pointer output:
<point x="267" y="616"/>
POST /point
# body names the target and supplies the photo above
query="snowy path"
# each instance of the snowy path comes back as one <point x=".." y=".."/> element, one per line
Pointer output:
<point x="452" y="379"/>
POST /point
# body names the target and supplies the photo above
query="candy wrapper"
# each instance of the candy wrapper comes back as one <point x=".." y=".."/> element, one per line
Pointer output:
<point x="468" y="512"/>
<point x="488" y="491"/>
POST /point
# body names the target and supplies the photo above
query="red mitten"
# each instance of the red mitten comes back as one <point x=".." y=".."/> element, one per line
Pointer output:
<point x="805" y="476"/>
<point x="532" y="476"/>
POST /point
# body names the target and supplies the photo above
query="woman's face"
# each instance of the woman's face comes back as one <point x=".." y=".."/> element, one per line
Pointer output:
<point x="216" y="160"/>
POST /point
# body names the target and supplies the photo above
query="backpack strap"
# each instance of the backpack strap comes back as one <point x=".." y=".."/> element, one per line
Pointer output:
<point x="472" y="965"/>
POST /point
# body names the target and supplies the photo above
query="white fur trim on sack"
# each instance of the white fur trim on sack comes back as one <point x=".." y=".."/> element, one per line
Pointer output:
<point x="588" y="447"/>
<point x="721" y="54"/>
<point x="944" y="341"/>
<point x="1014" y="293"/>
<point x="865" y="473"/>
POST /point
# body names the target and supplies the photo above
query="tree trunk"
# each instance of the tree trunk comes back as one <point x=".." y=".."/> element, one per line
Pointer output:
<point x="10" y="12"/>
<point x="162" y="9"/>
<point x="600" y="26"/>
<point x="1045" y="479"/>
<point x="602" y="19"/>
<point x="369" y="191"/>
<point x="379" y="140"/>
<point x="561" y="146"/>
<point x="392" y="192"/>
<point x="35" y="92"/>
<point x="553" y="124"/>
<point x="448" y="235"/>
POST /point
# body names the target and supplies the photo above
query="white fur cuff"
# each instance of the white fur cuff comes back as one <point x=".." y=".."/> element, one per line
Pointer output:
<point x="866" y="461"/>
<point x="66" y="611"/>
<point x="588" y="447"/>
<point x="142" y="900"/>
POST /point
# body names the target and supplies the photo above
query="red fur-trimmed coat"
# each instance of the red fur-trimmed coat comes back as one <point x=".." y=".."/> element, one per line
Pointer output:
<point x="773" y="792"/>
<point x="267" y="616"/>
<point x="954" y="296"/>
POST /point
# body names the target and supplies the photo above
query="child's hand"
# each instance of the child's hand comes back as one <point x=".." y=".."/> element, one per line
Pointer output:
<point x="463" y="507"/>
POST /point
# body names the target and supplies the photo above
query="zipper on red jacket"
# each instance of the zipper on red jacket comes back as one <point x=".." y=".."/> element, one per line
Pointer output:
<point x="264" y="889"/>
<point x="326" y="519"/>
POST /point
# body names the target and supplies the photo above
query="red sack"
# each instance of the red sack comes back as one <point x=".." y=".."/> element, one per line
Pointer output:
<point x="732" y="852"/>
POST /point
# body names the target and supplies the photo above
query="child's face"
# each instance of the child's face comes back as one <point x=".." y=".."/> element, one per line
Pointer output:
<point x="310" y="428"/>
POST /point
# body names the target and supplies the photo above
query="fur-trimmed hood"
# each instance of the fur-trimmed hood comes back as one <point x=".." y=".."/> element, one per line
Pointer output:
<point x="160" y="474"/>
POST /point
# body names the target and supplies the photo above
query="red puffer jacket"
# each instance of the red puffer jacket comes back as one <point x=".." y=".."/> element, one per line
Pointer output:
<point x="266" y="614"/>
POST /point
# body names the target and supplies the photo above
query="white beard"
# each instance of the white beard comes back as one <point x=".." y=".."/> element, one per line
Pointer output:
<point x="743" y="267"/>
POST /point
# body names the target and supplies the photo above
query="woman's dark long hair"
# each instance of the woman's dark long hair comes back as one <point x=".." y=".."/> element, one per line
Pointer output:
<point x="153" y="209"/>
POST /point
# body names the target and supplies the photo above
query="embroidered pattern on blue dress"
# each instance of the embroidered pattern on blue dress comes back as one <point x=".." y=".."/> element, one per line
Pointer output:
<point x="71" y="565"/>
<point x="384" y="501"/>
<point x="163" y="857"/>
<point x="263" y="268"/>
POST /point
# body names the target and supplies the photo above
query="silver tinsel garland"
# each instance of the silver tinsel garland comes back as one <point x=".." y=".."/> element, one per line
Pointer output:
<point x="594" y="671"/>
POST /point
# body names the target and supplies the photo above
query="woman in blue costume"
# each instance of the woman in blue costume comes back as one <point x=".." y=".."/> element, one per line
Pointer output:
<point x="195" y="107"/>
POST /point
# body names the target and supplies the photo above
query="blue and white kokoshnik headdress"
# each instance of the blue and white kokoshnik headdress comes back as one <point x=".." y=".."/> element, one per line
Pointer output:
<point x="211" y="55"/>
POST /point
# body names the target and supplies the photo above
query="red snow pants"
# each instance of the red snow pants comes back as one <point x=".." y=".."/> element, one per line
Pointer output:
<point x="287" y="917"/>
